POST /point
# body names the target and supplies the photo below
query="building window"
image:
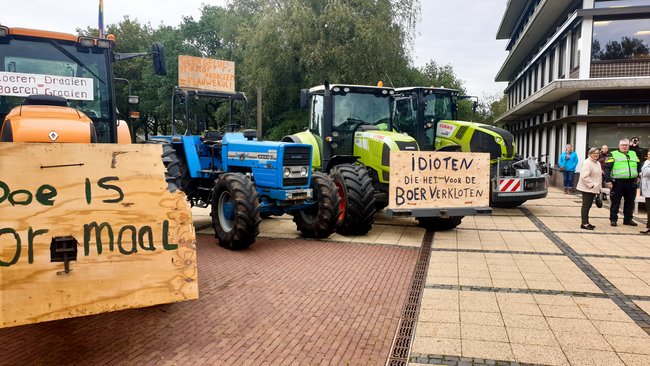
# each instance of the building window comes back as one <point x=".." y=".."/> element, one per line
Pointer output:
<point x="561" y="72"/>
<point x="617" y="109"/>
<point x="619" y="3"/>
<point x="542" y="76"/>
<point x="575" y="47"/>
<point x="551" y="66"/>
<point x="610" y="133"/>
<point x="627" y="39"/>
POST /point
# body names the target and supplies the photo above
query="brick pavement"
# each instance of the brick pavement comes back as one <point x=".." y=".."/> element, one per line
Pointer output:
<point x="282" y="302"/>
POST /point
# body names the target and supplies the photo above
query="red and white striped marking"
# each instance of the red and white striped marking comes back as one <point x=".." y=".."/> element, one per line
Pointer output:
<point x="510" y="185"/>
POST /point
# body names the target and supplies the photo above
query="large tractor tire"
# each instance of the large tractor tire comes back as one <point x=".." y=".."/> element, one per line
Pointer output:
<point x="357" y="206"/>
<point x="319" y="221"/>
<point x="439" y="223"/>
<point x="172" y="164"/>
<point x="235" y="211"/>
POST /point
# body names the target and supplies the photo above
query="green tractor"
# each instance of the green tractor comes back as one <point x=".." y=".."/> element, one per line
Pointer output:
<point x="430" y="115"/>
<point x="350" y="128"/>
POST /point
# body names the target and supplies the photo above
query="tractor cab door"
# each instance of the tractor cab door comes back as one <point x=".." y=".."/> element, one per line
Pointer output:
<point x="435" y="108"/>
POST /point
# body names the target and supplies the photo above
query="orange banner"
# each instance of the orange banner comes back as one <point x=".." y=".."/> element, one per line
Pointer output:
<point x="206" y="74"/>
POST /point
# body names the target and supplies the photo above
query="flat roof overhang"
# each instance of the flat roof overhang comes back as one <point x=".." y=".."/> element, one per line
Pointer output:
<point x="563" y="90"/>
<point x="514" y="10"/>
<point x="544" y="18"/>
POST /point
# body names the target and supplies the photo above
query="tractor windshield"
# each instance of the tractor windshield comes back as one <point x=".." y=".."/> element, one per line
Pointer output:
<point x="438" y="107"/>
<point x="30" y="66"/>
<point x="354" y="109"/>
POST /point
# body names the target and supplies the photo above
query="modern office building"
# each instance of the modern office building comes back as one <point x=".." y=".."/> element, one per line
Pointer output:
<point x="578" y="73"/>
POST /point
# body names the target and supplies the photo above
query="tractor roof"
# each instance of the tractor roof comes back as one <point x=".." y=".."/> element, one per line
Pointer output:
<point x="41" y="34"/>
<point x="411" y="88"/>
<point x="321" y="88"/>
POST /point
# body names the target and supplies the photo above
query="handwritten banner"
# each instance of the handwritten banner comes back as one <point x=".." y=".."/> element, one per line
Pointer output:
<point x="206" y="74"/>
<point x="424" y="179"/>
<point x="136" y="241"/>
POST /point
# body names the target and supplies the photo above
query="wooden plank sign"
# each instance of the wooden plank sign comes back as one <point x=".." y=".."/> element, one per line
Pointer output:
<point x="431" y="179"/>
<point x="206" y="74"/>
<point x="136" y="242"/>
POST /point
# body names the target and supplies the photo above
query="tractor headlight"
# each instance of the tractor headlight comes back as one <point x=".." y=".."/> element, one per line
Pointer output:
<point x="287" y="172"/>
<point x="303" y="171"/>
<point x="498" y="140"/>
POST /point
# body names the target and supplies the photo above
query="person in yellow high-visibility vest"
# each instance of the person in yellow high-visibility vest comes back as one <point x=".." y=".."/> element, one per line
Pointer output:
<point x="622" y="176"/>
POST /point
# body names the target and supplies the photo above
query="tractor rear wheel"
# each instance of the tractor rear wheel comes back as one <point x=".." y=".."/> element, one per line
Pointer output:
<point x="357" y="207"/>
<point x="172" y="164"/>
<point x="439" y="223"/>
<point x="235" y="211"/>
<point x="319" y="220"/>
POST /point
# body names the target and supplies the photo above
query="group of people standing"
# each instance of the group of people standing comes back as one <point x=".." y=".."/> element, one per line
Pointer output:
<point x="619" y="170"/>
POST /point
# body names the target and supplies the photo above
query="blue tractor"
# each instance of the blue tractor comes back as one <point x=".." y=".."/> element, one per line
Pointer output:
<point x="225" y="166"/>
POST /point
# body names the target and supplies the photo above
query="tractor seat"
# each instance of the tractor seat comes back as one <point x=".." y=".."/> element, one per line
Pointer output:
<point x="212" y="138"/>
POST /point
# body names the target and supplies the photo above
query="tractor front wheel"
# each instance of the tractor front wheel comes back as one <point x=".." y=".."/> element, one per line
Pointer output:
<point x="235" y="211"/>
<point x="439" y="223"/>
<point x="357" y="207"/>
<point x="319" y="220"/>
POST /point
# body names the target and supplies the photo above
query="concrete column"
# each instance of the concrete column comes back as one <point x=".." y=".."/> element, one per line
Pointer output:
<point x="547" y="69"/>
<point x="564" y="135"/>
<point x="553" y="145"/>
<point x="581" y="142"/>
<point x="585" y="47"/>
<point x="544" y="139"/>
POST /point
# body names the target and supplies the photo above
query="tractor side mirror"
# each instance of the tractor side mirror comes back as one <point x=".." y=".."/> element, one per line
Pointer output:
<point x="304" y="98"/>
<point x="158" y="52"/>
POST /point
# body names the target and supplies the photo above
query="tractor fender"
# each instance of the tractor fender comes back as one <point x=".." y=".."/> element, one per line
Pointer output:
<point x="452" y="147"/>
<point x="340" y="159"/>
<point x="306" y="137"/>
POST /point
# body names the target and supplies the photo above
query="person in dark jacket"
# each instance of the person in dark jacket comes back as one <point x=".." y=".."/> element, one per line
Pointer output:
<point x="634" y="146"/>
<point x="622" y="174"/>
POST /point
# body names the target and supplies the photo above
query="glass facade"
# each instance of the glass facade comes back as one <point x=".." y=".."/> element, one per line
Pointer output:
<point x="621" y="39"/>
<point x="610" y="133"/>
<point x="619" y="3"/>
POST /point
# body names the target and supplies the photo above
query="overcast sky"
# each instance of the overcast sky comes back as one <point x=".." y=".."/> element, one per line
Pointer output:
<point x="460" y="32"/>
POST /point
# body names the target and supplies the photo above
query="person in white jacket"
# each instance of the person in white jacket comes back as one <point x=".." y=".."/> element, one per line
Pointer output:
<point x="645" y="189"/>
<point x="590" y="184"/>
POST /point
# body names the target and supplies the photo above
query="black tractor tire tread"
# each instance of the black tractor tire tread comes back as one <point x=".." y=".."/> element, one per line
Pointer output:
<point x="172" y="164"/>
<point x="360" y="199"/>
<point x="247" y="218"/>
<point x="439" y="223"/>
<point x="323" y="224"/>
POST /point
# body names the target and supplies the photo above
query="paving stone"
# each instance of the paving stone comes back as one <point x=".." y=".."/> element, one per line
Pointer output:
<point x="539" y="354"/>
<point x="434" y="345"/>
<point x="579" y="340"/>
<point x="485" y="349"/>
<point x="579" y="357"/>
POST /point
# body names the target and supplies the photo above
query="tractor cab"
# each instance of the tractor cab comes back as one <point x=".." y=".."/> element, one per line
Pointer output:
<point x="349" y="110"/>
<point x="37" y="67"/>
<point x="418" y="112"/>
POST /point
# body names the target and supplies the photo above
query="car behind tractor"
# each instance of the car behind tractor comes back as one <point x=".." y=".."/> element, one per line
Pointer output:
<point x="224" y="166"/>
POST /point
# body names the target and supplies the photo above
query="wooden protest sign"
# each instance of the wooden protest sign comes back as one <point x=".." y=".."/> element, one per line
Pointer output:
<point x="206" y="74"/>
<point x="136" y="242"/>
<point x="431" y="179"/>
